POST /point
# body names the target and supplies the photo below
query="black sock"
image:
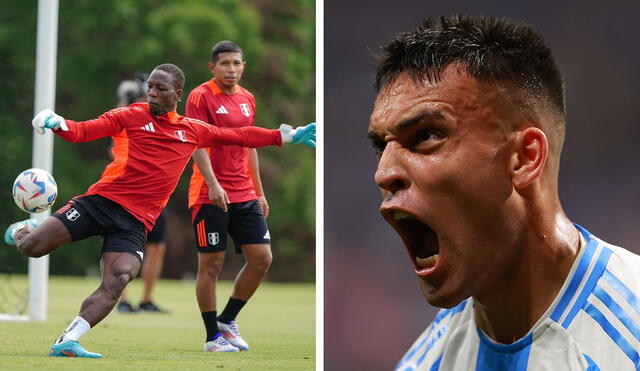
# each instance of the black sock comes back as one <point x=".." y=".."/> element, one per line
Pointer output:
<point x="211" y="324"/>
<point x="231" y="310"/>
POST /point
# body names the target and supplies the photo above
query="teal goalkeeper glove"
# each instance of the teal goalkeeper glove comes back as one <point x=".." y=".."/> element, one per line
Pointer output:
<point x="302" y="134"/>
<point x="47" y="119"/>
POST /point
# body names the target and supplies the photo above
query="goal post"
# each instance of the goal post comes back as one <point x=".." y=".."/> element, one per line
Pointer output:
<point x="45" y="97"/>
<point x="42" y="153"/>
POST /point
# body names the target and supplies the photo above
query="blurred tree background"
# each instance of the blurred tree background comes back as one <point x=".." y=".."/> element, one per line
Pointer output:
<point x="101" y="43"/>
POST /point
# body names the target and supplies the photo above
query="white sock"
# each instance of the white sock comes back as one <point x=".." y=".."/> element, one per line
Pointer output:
<point x="76" y="329"/>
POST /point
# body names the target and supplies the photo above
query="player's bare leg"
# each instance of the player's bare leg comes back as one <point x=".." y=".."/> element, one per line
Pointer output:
<point x="36" y="242"/>
<point x="258" y="260"/>
<point x="152" y="267"/>
<point x="209" y="267"/>
<point x="123" y="304"/>
<point x="118" y="269"/>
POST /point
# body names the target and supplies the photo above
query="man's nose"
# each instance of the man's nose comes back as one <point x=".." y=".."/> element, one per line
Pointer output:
<point x="391" y="175"/>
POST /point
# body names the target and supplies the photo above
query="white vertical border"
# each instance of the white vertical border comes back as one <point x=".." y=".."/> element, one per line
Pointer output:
<point x="320" y="185"/>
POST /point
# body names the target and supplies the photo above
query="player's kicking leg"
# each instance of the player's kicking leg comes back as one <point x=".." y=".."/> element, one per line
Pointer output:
<point x="13" y="228"/>
<point x="36" y="240"/>
<point x="249" y="278"/>
<point x="118" y="269"/>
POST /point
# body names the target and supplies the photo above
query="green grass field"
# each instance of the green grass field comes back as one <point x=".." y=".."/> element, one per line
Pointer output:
<point x="278" y="324"/>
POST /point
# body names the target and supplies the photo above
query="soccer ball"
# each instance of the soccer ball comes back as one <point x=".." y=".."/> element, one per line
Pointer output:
<point x="35" y="190"/>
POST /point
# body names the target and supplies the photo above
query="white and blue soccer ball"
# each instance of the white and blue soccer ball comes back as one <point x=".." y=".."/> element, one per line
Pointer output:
<point x="35" y="190"/>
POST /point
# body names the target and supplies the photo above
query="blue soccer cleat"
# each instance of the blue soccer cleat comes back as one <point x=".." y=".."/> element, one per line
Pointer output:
<point x="71" y="349"/>
<point x="8" y="234"/>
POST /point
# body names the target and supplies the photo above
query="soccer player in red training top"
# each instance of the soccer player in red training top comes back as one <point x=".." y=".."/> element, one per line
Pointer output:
<point x="226" y="196"/>
<point x="124" y="204"/>
<point x="132" y="91"/>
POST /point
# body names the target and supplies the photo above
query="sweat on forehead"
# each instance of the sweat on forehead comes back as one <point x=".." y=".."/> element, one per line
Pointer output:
<point x="455" y="91"/>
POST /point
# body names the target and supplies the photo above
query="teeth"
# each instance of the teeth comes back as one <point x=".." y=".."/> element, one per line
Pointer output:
<point x="426" y="262"/>
<point x="399" y="215"/>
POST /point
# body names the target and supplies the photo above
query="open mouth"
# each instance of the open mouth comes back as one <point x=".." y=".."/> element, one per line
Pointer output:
<point x="420" y="240"/>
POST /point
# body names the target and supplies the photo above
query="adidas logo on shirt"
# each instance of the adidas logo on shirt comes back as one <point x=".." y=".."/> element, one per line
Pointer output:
<point x="148" y="127"/>
<point x="222" y="110"/>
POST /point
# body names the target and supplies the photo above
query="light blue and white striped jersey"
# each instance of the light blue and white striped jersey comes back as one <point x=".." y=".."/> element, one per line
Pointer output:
<point x="593" y="324"/>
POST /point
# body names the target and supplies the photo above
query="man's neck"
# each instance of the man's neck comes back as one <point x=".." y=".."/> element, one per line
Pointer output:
<point x="227" y="90"/>
<point x="509" y="310"/>
<point x="163" y="112"/>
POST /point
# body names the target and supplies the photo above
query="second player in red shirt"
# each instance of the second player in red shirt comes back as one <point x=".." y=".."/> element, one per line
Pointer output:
<point x="226" y="197"/>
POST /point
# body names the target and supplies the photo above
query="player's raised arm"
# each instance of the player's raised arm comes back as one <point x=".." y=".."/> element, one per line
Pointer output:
<point x="72" y="131"/>
<point x="254" y="137"/>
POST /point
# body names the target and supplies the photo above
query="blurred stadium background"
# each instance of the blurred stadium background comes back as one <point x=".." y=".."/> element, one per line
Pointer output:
<point x="373" y="307"/>
<point x="103" y="43"/>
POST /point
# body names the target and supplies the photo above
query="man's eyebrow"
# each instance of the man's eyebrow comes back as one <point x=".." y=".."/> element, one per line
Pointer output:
<point x="372" y="135"/>
<point x="412" y="121"/>
<point x="375" y="137"/>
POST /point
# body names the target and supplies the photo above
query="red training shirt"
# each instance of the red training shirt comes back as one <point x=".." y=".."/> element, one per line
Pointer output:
<point x="153" y="153"/>
<point x="230" y="163"/>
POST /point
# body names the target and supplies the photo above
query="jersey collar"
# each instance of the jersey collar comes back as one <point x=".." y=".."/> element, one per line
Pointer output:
<point x="172" y="116"/>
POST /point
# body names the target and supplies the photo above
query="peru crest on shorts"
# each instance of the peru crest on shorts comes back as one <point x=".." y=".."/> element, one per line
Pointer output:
<point x="213" y="238"/>
<point x="244" y="107"/>
<point x="72" y="214"/>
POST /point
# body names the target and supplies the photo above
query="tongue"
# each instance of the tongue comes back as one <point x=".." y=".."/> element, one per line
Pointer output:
<point x="426" y="262"/>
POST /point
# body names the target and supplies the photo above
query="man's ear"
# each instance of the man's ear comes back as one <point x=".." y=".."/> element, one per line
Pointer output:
<point x="211" y="66"/>
<point x="530" y="155"/>
<point x="179" y="93"/>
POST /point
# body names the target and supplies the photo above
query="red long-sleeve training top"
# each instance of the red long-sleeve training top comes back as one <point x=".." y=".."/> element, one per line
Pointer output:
<point x="156" y="150"/>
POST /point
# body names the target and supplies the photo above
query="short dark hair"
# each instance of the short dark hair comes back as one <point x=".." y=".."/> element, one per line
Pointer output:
<point x="491" y="50"/>
<point x="175" y="71"/>
<point x="224" y="46"/>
